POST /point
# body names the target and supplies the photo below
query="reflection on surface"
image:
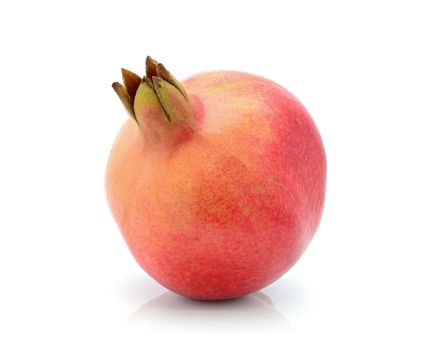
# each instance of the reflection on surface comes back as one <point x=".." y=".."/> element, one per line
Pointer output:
<point x="252" y="313"/>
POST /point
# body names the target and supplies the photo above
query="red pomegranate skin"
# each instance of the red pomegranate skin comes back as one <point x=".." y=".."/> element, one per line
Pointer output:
<point x="228" y="208"/>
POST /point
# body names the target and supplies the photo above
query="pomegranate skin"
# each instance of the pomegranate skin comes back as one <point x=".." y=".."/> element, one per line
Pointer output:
<point x="228" y="209"/>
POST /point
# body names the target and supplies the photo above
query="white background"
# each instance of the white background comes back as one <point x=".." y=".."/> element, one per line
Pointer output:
<point x="67" y="280"/>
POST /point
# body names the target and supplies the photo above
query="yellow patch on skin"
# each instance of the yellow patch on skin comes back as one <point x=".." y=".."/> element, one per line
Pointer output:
<point x="244" y="115"/>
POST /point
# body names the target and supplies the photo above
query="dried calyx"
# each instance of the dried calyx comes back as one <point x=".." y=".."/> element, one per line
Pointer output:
<point x="158" y="82"/>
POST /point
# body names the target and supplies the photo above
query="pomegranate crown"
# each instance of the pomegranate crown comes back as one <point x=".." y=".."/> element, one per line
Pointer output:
<point x="158" y="81"/>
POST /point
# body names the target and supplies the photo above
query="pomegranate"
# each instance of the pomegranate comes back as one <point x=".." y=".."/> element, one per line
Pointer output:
<point x="217" y="183"/>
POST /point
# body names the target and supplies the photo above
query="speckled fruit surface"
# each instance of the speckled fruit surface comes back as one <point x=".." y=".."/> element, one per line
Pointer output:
<point x="217" y="190"/>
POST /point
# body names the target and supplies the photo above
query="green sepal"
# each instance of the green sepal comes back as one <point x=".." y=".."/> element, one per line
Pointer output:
<point x="175" y="105"/>
<point x="146" y="102"/>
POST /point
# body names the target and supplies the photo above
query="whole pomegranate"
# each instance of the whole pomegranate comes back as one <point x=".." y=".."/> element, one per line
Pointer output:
<point x="217" y="183"/>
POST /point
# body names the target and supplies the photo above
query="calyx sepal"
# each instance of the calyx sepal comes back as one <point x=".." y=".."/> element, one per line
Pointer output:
<point x="158" y="89"/>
